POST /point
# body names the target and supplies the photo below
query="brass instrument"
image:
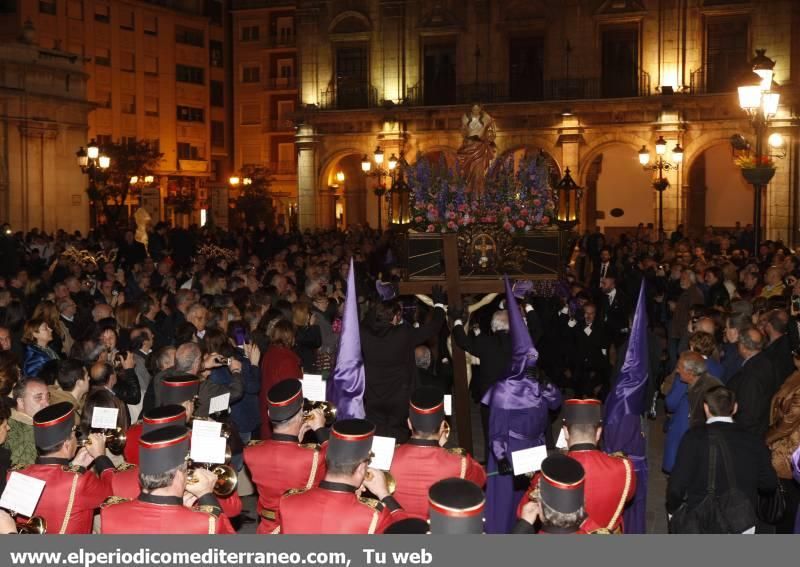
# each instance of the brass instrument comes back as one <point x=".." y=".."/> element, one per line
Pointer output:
<point x="391" y="483"/>
<point x="328" y="410"/>
<point x="35" y="526"/>
<point x="115" y="440"/>
<point x="227" y="479"/>
<point x="446" y="430"/>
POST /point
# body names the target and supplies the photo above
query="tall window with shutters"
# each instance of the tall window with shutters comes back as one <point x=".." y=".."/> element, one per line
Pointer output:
<point x="727" y="52"/>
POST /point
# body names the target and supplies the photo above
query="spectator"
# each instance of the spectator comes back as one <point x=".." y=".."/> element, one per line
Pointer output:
<point x="779" y="349"/>
<point x="741" y="455"/>
<point x="9" y="372"/>
<point x="754" y="383"/>
<point x="72" y="384"/>
<point x="783" y="438"/>
<point x="37" y="336"/>
<point x="279" y="363"/>
<point x="29" y="396"/>
<point x="308" y="337"/>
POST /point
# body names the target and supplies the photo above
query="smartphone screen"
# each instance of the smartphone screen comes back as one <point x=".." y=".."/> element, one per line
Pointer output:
<point x="239" y="337"/>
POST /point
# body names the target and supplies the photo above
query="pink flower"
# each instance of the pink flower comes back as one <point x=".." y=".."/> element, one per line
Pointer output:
<point x="508" y="226"/>
<point x="537" y="202"/>
<point x="430" y="228"/>
<point x="452" y="225"/>
<point x="417" y="218"/>
<point x="506" y="209"/>
<point x="545" y="220"/>
<point x="491" y="218"/>
<point x="451" y="215"/>
<point x="485" y="219"/>
<point x="430" y="206"/>
<point x="524" y="212"/>
<point x="462" y="207"/>
<point x="520" y="224"/>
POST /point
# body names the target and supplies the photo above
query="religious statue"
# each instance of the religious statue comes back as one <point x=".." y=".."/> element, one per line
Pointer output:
<point x="477" y="150"/>
<point x="142" y="220"/>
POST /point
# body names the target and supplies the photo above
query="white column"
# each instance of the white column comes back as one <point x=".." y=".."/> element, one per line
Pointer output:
<point x="306" y="142"/>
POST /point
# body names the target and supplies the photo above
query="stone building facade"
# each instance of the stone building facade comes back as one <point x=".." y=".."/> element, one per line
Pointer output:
<point x="156" y="70"/>
<point x="43" y="120"/>
<point x="589" y="82"/>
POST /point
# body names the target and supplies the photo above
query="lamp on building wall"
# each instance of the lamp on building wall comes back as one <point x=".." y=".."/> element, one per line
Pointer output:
<point x="399" y="193"/>
<point x="94" y="164"/>
<point x="758" y="97"/>
<point x="569" y="198"/>
<point x="661" y="165"/>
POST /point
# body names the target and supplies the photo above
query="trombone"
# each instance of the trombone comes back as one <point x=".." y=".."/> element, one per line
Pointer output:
<point x="115" y="440"/>
<point x="328" y="410"/>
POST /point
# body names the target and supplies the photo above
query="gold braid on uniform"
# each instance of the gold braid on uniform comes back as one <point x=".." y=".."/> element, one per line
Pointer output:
<point x="70" y="504"/>
<point x="625" y="491"/>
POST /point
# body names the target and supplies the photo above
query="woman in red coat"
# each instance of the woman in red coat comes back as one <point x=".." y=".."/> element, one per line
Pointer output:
<point x="279" y="363"/>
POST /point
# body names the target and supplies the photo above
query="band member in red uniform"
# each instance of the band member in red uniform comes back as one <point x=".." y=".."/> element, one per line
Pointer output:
<point x="558" y="501"/>
<point x="283" y="462"/>
<point x="334" y="507"/>
<point x="176" y="390"/>
<point x="125" y="483"/>
<point x="456" y="507"/>
<point x="71" y="493"/>
<point x="160" y="507"/>
<point x="610" y="480"/>
<point x="422" y="461"/>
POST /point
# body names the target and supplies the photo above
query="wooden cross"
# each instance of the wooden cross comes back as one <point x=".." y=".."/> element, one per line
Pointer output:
<point x="455" y="287"/>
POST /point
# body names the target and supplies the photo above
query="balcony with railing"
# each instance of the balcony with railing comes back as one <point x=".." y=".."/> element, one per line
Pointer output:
<point x="349" y="97"/>
<point x="282" y="83"/>
<point x="281" y="41"/>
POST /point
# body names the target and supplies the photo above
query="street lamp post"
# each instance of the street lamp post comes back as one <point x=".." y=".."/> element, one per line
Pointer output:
<point x="380" y="173"/>
<point x="661" y="165"/>
<point x="760" y="101"/>
<point x="94" y="164"/>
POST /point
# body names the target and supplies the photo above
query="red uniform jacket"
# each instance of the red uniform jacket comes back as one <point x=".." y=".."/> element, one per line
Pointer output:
<point x="131" y="451"/>
<point x="71" y="494"/>
<point x="125" y="484"/>
<point x="586" y="528"/>
<point x="420" y="463"/>
<point x="150" y="514"/>
<point x="610" y="484"/>
<point x="333" y="508"/>
<point x="280" y="464"/>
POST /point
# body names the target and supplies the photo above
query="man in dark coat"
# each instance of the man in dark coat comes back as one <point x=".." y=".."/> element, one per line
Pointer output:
<point x="615" y="310"/>
<point x="779" y="349"/>
<point x="591" y="354"/>
<point x="748" y="455"/>
<point x="717" y="297"/>
<point x="387" y="344"/>
<point x="754" y="384"/>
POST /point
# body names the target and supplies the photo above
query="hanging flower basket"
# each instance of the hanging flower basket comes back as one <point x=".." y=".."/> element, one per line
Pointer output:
<point x="758" y="175"/>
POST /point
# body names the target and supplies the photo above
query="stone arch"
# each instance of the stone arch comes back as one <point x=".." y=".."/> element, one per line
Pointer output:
<point x="348" y="22"/>
<point x="434" y="152"/>
<point x="612" y="178"/>
<point x="531" y="149"/>
<point x="342" y="204"/>
<point x="717" y="194"/>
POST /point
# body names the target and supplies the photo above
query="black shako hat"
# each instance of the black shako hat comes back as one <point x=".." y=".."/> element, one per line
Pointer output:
<point x="163" y="416"/>
<point x="456" y="507"/>
<point x="409" y="526"/>
<point x="179" y="389"/>
<point x="350" y="441"/>
<point x="426" y="409"/>
<point x="285" y="399"/>
<point x="53" y="424"/>
<point x="561" y="483"/>
<point x="163" y="449"/>
<point x="577" y="412"/>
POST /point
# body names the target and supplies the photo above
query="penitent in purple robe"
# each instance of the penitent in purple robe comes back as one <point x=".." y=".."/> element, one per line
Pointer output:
<point x="518" y="420"/>
<point x="518" y="408"/>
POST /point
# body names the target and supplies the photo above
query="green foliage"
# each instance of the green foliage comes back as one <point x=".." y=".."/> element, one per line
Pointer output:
<point x="254" y="200"/>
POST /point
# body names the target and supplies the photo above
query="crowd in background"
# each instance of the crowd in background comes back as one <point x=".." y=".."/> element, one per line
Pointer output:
<point x="99" y="320"/>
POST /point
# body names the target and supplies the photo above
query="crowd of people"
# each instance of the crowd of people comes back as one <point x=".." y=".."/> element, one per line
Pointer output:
<point x="163" y="331"/>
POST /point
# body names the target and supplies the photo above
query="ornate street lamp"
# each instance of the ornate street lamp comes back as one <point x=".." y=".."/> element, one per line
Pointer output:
<point x="760" y="101"/>
<point x="94" y="164"/>
<point x="661" y="165"/>
<point x="569" y="199"/>
<point x="380" y="173"/>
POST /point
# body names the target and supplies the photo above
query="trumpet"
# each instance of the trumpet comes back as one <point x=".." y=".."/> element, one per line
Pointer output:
<point x="227" y="479"/>
<point x="328" y="410"/>
<point x="446" y="430"/>
<point x="115" y="440"/>
<point x="391" y="483"/>
<point x="35" y="526"/>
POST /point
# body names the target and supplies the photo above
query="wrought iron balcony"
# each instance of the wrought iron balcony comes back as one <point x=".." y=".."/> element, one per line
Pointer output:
<point x="350" y="97"/>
